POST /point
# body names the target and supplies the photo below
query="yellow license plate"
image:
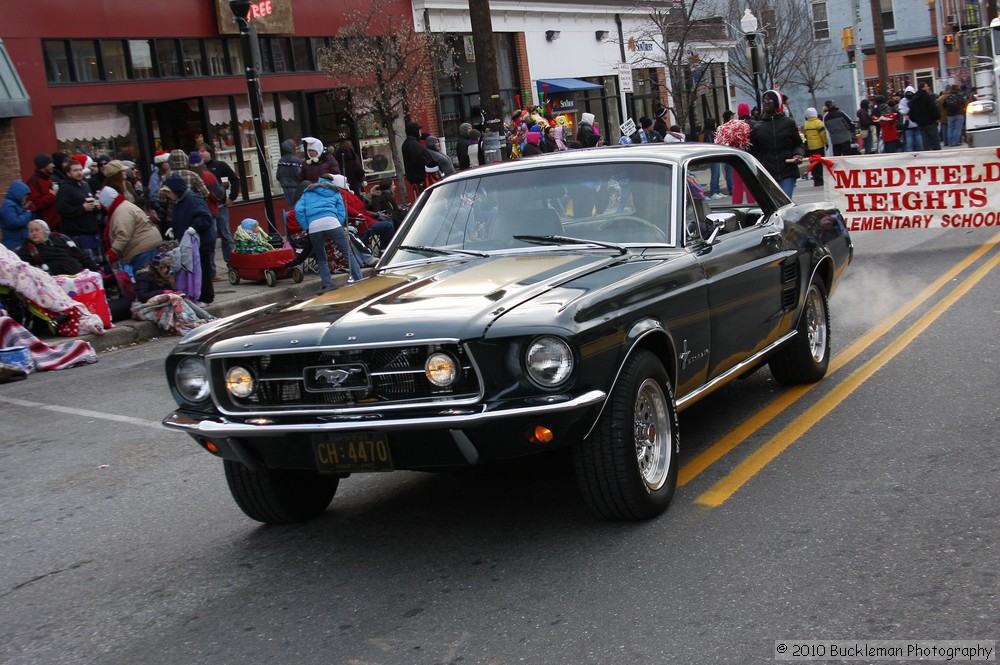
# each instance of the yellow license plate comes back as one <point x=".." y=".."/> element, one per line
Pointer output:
<point x="352" y="452"/>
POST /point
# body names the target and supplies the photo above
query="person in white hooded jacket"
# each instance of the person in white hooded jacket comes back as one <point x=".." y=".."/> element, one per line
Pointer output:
<point x="318" y="161"/>
<point x="585" y="133"/>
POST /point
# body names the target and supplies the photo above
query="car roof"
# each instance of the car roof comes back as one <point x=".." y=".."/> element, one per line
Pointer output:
<point x="671" y="153"/>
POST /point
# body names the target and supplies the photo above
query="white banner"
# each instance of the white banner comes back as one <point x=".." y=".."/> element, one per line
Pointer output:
<point x="934" y="189"/>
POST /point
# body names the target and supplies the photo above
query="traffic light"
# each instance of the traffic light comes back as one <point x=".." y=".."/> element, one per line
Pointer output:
<point x="847" y="38"/>
<point x="949" y="42"/>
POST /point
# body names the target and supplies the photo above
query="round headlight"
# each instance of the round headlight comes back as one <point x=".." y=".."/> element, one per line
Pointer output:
<point x="239" y="382"/>
<point x="549" y="361"/>
<point x="441" y="369"/>
<point x="191" y="379"/>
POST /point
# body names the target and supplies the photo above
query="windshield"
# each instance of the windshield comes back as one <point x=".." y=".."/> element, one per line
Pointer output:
<point x="627" y="203"/>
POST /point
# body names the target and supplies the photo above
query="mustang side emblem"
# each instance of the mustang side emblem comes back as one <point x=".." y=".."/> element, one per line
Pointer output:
<point x="687" y="358"/>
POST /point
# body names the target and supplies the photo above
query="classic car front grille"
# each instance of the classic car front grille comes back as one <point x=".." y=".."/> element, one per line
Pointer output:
<point x="367" y="377"/>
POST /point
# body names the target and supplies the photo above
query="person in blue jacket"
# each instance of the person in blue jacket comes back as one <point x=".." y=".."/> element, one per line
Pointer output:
<point x="321" y="213"/>
<point x="14" y="215"/>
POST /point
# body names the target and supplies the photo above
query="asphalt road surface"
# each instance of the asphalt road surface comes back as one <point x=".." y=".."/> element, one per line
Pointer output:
<point x="865" y="507"/>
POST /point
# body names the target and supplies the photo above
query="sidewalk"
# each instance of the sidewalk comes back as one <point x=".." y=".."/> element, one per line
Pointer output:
<point x="229" y="300"/>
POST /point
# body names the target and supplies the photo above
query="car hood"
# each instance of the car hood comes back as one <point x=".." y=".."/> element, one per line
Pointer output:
<point x="448" y="299"/>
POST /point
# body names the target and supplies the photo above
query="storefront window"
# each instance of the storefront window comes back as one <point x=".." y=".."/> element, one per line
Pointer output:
<point x="103" y="129"/>
<point x="193" y="65"/>
<point x="215" y="52"/>
<point x="235" y="54"/>
<point x="113" y="58"/>
<point x="266" y="61"/>
<point x="302" y="52"/>
<point x="166" y="56"/>
<point x="85" y="60"/>
<point x="57" y="61"/>
<point x="281" y="55"/>
<point x="141" y="54"/>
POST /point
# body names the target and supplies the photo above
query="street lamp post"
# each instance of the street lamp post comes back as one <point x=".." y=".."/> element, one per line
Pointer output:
<point x="240" y="9"/>
<point x="749" y="26"/>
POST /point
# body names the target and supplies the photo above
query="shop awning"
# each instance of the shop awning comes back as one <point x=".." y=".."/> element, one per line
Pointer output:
<point x="218" y="109"/>
<point x="90" y="123"/>
<point x="566" y="85"/>
<point x="14" y="101"/>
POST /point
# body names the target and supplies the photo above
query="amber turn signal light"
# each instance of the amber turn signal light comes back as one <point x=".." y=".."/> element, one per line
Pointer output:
<point x="540" y="434"/>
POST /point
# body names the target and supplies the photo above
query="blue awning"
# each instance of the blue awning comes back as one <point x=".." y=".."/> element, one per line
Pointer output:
<point x="14" y="101"/>
<point x="567" y="85"/>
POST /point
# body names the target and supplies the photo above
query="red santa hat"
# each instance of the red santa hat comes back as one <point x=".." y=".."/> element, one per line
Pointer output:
<point x="161" y="157"/>
<point x="84" y="161"/>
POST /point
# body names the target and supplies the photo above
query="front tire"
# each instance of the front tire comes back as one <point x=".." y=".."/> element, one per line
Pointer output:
<point x="806" y="357"/>
<point x="279" y="497"/>
<point x="627" y="467"/>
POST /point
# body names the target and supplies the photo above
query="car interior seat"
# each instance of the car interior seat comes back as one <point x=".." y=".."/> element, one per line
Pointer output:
<point x="526" y="216"/>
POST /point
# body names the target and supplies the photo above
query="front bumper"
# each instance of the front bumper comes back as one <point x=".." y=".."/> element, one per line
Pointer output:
<point x="421" y="439"/>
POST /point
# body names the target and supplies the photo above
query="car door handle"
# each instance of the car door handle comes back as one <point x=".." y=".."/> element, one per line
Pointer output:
<point x="771" y="236"/>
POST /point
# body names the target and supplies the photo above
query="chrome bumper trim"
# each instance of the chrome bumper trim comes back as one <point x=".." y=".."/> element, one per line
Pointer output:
<point x="218" y="426"/>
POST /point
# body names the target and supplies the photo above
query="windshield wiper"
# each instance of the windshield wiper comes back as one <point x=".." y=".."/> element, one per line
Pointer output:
<point x="441" y="250"/>
<point x="565" y="240"/>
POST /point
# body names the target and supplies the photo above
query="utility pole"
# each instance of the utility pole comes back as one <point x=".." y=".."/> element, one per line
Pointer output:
<point x="881" y="60"/>
<point x="486" y="72"/>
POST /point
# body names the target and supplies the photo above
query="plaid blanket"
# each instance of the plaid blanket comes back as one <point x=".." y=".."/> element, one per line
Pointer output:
<point x="45" y="357"/>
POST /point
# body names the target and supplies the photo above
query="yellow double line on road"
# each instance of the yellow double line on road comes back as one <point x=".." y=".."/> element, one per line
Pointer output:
<point x="757" y="460"/>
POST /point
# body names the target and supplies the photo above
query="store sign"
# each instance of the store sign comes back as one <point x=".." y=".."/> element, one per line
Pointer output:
<point x="268" y="16"/>
<point x="639" y="46"/>
<point x="562" y="104"/>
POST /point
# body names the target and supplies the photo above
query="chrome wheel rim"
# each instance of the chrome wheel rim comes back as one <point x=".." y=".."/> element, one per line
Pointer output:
<point x="652" y="434"/>
<point x="816" y="324"/>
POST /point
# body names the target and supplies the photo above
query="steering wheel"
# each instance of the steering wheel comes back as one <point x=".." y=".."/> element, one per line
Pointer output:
<point x="632" y="223"/>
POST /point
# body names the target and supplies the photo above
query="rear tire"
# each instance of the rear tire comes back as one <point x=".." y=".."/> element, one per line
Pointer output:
<point x="270" y="277"/>
<point x="234" y="277"/>
<point x="279" y="497"/>
<point x="627" y="467"/>
<point x="805" y="358"/>
<point x="297" y="275"/>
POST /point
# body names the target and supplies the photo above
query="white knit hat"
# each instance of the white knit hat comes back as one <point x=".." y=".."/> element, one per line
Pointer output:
<point x="107" y="196"/>
<point x="339" y="180"/>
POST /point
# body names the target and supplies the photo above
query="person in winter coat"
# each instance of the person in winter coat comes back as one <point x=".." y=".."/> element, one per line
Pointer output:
<point x="816" y="141"/>
<point x="776" y="143"/>
<point x="442" y="160"/>
<point x="924" y="112"/>
<point x="80" y="212"/>
<point x="191" y="212"/>
<point x="866" y="126"/>
<point x="417" y="160"/>
<point x="132" y="239"/>
<point x="531" y="148"/>
<point x="15" y="215"/>
<point x="840" y="129"/>
<point x="289" y="172"/>
<point x="886" y="116"/>
<point x="43" y="190"/>
<point x="660" y="123"/>
<point x="462" y="145"/>
<point x="180" y="166"/>
<point x="317" y="163"/>
<point x="54" y="253"/>
<point x="585" y="133"/>
<point x="322" y="214"/>
<point x="350" y="166"/>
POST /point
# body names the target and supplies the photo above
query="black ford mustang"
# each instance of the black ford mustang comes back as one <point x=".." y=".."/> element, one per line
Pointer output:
<point x="574" y="299"/>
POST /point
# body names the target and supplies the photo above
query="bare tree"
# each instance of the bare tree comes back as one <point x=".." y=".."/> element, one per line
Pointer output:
<point x="680" y="30"/>
<point x="792" y="54"/>
<point x="386" y="66"/>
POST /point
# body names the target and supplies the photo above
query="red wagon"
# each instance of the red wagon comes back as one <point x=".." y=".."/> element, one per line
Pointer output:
<point x="267" y="267"/>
